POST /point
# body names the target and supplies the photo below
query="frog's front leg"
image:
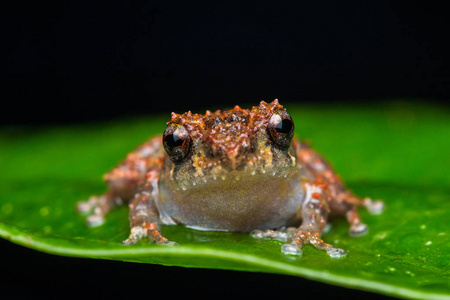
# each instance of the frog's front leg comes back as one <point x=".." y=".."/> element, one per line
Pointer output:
<point x="341" y="201"/>
<point x="314" y="212"/>
<point x="123" y="181"/>
<point x="144" y="219"/>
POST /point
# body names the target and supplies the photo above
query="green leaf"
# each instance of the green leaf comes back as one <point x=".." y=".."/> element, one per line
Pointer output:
<point x="397" y="152"/>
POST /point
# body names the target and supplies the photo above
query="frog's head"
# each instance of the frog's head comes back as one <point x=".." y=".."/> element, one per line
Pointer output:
<point x="229" y="145"/>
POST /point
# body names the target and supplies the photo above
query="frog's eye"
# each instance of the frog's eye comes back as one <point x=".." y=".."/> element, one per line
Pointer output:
<point x="177" y="142"/>
<point x="281" y="128"/>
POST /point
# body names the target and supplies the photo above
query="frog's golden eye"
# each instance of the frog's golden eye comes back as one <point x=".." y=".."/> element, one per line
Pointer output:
<point x="177" y="142"/>
<point x="281" y="129"/>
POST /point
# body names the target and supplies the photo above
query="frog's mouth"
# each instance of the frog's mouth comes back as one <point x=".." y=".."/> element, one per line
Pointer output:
<point x="220" y="180"/>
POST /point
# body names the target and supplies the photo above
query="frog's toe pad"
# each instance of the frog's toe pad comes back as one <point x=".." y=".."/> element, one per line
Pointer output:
<point x="169" y="243"/>
<point x="336" y="252"/>
<point x="95" y="220"/>
<point x="137" y="233"/>
<point x="257" y="234"/>
<point x="358" y="229"/>
<point x="374" y="207"/>
<point x="279" y="235"/>
<point x="128" y="242"/>
<point x="292" y="249"/>
<point x="84" y="207"/>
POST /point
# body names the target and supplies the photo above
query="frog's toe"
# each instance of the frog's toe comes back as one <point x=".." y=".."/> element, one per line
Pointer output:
<point x="336" y="252"/>
<point x="327" y="228"/>
<point x="303" y="237"/>
<point x="136" y="234"/>
<point x="95" y="220"/>
<point x="128" y="242"/>
<point x="84" y="207"/>
<point x="280" y="235"/>
<point x="358" y="229"/>
<point x="169" y="243"/>
<point x="292" y="249"/>
<point x="87" y="206"/>
<point x="257" y="234"/>
<point x="374" y="207"/>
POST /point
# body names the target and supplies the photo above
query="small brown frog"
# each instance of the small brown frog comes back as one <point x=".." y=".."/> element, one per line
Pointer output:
<point x="237" y="170"/>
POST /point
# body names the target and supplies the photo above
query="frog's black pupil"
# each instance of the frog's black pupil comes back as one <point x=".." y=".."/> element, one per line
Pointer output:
<point x="285" y="126"/>
<point x="173" y="140"/>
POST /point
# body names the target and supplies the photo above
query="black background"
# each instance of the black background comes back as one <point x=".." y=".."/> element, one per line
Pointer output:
<point x="31" y="274"/>
<point x="72" y="62"/>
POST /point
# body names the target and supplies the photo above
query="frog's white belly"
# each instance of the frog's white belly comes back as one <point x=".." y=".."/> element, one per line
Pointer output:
<point x="256" y="202"/>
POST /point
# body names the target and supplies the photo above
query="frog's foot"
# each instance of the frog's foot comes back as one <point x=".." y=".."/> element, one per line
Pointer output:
<point x="283" y="235"/>
<point x="373" y="207"/>
<point x="97" y="207"/>
<point x="147" y="230"/>
<point x="86" y="207"/>
<point x="302" y="238"/>
<point x="357" y="228"/>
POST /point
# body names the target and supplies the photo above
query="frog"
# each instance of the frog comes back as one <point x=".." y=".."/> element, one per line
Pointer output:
<point x="237" y="170"/>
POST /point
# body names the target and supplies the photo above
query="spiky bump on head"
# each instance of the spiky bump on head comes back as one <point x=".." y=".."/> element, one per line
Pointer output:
<point x="228" y="134"/>
<point x="231" y="144"/>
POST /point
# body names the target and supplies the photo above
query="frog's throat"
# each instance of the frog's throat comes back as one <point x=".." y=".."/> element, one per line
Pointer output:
<point x="232" y="204"/>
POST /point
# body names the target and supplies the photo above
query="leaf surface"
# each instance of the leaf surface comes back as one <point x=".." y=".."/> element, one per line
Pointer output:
<point x="397" y="152"/>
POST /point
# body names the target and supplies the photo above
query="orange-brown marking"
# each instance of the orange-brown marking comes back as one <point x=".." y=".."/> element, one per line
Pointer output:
<point x="316" y="196"/>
